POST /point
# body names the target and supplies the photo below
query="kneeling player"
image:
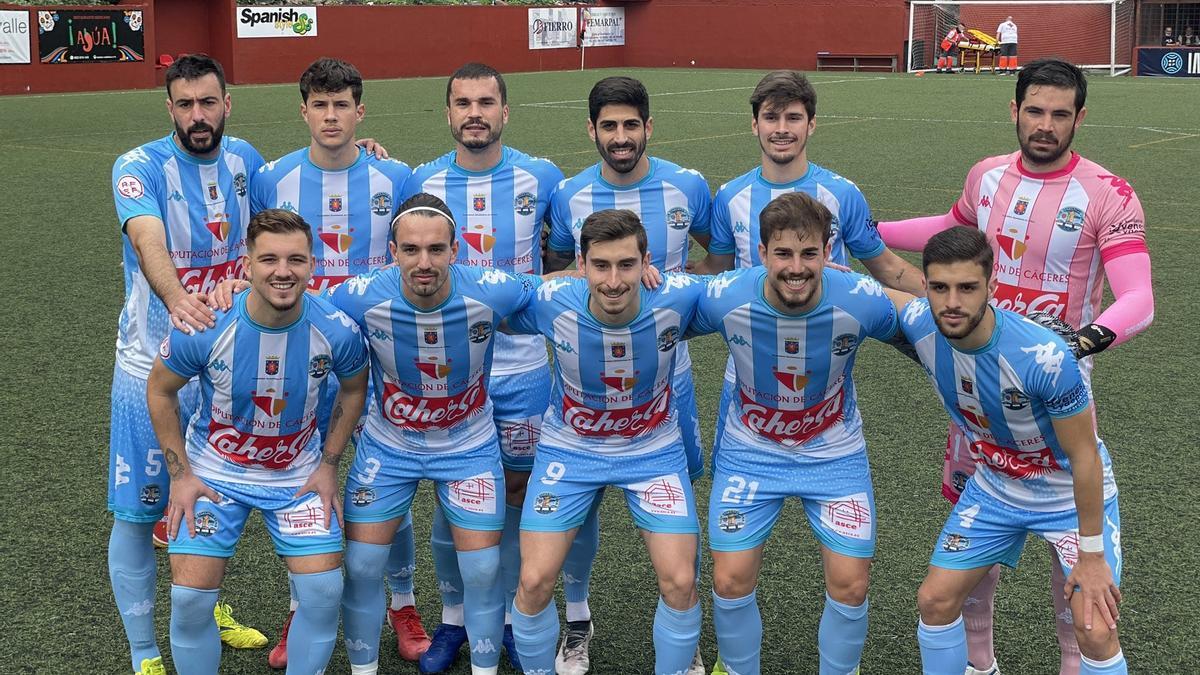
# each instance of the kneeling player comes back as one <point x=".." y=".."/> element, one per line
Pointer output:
<point x="254" y="444"/>
<point x="793" y="329"/>
<point x="611" y="422"/>
<point x="1015" y="391"/>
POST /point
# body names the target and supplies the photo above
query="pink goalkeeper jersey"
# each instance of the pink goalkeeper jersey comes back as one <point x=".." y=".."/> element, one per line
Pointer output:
<point x="1052" y="233"/>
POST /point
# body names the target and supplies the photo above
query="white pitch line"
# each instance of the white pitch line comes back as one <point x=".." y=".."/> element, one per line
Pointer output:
<point x="539" y="104"/>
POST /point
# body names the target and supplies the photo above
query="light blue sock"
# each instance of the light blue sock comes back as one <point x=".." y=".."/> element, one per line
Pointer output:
<point x="738" y="624"/>
<point x="841" y="636"/>
<point x="132" y="573"/>
<point x="362" y="600"/>
<point x="510" y="554"/>
<point x="537" y="638"/>
<point x="676" y="634"/>
<point x="445" y="560"/>
<point x="943" y="648"/>
<point x="577" y="568"/>
<point x="483" y="604"/>
<point x="195" y="640"/>
<point x="402" y="560"/>
<point x="1114" y="666"/>
<point x="314" y="627"/>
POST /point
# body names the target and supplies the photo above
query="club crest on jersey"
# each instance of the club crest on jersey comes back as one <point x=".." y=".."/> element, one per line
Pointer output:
<point x="479" y="202"/>
<point x="525" y="203"/>
<point x="668" y="338"/>
<point x="844" y="344"/>
<point x="239" y="184"/>
<point x="1021" y="206"/>
<point x="791" y="380"/>
<point x="381" y="204"/>
<point x="432" y="368"/>
<point x="431" y="337"/>
<point x="731" y="521"/>
<point x="791" y="345"/>
<point x="1069" y="219"/>
<point x="151" y="494"/>
<point x="479" y="331"/>
<point x="363" y="496"/>
<point x="967" y="385"/>
<point x="206" y="524"/>
<point x="1014" y="399"/>
<point x="218" y="224"/>
<point x="1014" y="248"/>
<point x="213" y="193"/>
<point x="164" y="347"/>
<point x="617" y="349"/>
<point x="480" y="238"/>
<point x="319" y="366"/>
<point x="271" y="365"/>
<point x="545" y="503"/>
<point x="269" y="403"/>
<point x="678" y="218"/>
<point x="335" y="203"/>
<point x="338" y="241"/>
<point x="619" y="380"/>
<point x="956" y="542"/>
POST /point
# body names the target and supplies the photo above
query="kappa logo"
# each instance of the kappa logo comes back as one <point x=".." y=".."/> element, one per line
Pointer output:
<point x="914" y="310"/>
<point x="740" y="228"/>
<point x="135" y="156"/>
<point x="358" y="285"/>
<point x="122" y="471"/>
<point x="676" y="281"/>
<point x="1049" y="357"/>
<point x="175" y="196"/>
<point x="483" y="646"/>
<point x="357" y="645"/>
<point x="549" y="288"/>
<point x="738" y="340"/>
<point x="564" y="347"/>
<point x="718" y="285"/>
<point x="343" y="319"/>
<point x="377" y="334"/>
<point x="140" y="608"/>
<point x="868" y="286"/>
<point x="493" y="277"/>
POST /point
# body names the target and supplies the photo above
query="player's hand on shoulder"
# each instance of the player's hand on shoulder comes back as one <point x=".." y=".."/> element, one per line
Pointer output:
<point x="222" y="296"/>
<point x="190" y="312"/>
<point x="651" y="277"/>
<point x="373" y="147"/>
<point x="834" y="266"/>
<point x="1062" y="328"/>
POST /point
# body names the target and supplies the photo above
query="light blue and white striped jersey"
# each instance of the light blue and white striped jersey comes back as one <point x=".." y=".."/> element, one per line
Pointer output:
<point x="1003" y="397"/>
<point x="671" y="202"/>
<point x="350" y="211"/>
<point x="795" y="390"/>
<point x="499" y="213"/>
<point x="257" y="418"/>
<point x="204" y="207"/>
<point x="612" y="384"/>
<point x="740" y="201"/>
<point x="430" y="368"/>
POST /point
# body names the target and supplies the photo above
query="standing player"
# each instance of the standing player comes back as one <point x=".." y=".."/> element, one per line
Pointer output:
<point x="183" y="207"/>
<point x="1016" y="392"/>
<point x="1006" y="35"/>
<point x="347" y="195"/>
<point x="783" y="111"/>
<point x="429" y="326"/>
<point x="254" y="444"/>
<point x="793" y="327"/>
<point x="611" y="422"/>
<point x="949" y="48"/>
<point x="1058" y="224"/>
<point x="500" y="197"/>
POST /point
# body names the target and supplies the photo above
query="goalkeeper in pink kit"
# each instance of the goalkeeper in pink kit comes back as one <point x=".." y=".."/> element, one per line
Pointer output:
<point x="1059" y="225"/>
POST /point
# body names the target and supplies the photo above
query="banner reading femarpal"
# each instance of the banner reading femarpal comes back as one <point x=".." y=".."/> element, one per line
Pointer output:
<point x="552" y="27"/>
<point x="269" y="22"/>
<point x="604" y="26"/>
<point x="90" y="35"/>
<point x="14" y="37"/>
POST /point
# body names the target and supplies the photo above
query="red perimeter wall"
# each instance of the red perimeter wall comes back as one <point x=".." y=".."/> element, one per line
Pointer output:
<point x="386" y="42"/>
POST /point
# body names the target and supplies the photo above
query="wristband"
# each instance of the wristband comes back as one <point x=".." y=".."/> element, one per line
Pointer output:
<point x="1094" y="338"/>
<point x="1092" y="544"/>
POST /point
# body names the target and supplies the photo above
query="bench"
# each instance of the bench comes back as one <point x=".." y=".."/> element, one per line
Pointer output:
<point x="856" y="62"/>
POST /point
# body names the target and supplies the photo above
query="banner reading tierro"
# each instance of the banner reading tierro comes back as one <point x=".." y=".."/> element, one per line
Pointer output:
<point x="552" y="27"/>
<point x="90" y="35"/>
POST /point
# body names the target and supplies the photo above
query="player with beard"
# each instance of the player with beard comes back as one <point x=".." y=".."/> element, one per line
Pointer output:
<point x="793" y="327"/>
<point x="1059" y="225"/>
<point x="1016" y="392"/>
<point x="500" y="198"/>
<point x="783" y="110"/>
<point x="671" y="203"/>
<point x="183" y="206"/>
<point x="254" y="444"/>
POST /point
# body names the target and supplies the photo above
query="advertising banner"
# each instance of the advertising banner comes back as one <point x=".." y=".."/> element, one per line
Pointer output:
<point x="14" y="36"/>
<point x="552" y="27"/>
<point x="604" y="26"/>
<point x="274" y="22"/>
<point x="90" y="35"/>
<point x="1168" y="62"/>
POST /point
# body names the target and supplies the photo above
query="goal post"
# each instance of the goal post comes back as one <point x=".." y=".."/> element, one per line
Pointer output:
<point x="1092" y="34"/>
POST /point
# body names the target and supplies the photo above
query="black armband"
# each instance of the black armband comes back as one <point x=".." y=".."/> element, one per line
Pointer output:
<point x="1093" y="339"/>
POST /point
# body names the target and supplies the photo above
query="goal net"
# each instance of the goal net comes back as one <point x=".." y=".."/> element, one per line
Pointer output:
<point x="1093" y="34"/>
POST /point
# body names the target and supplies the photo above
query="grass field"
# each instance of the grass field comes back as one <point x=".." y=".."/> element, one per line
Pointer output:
<point x="907" y="143"/>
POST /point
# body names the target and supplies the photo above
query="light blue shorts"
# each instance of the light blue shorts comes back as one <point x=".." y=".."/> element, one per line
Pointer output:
<point x="564" y="484"/>
<point x="297" y="526"/>
<point x="982" y="531"/>
<point x="518" y="404"/>
<point x="138" y="484"/>
<point x="750" y="485"/>
<point x="383" y="480"/>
